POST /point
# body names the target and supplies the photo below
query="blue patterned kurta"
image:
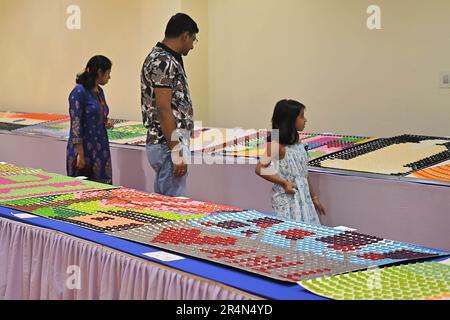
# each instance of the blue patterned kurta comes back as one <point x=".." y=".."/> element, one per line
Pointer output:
<point x="87" y="126"/>
<point x="294" y="168"/>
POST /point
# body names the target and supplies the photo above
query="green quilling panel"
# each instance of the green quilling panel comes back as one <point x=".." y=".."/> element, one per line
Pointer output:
<point x="116" y="209"/>
<point x="34" y="183"/>
<point x="428" y="280"/>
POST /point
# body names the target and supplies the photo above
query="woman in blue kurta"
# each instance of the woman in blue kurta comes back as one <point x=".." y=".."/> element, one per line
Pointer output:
<point x="88" y="151"/>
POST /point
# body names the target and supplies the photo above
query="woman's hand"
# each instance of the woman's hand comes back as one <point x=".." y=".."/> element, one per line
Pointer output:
<point x="109" y="124"/>
<point x="319" y="207"/>
<point x="80" y="162"/>
<point x="289" y="187"/>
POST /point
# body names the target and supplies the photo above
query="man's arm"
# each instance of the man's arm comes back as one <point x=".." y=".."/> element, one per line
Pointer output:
<point x="167" y="121"/>
<point x="166" y="118"/>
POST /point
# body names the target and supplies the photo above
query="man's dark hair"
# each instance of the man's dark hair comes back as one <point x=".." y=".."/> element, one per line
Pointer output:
<point x="179" y="24"/>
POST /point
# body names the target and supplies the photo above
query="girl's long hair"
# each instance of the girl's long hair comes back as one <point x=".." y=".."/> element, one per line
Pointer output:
<point x="284" y="118"/>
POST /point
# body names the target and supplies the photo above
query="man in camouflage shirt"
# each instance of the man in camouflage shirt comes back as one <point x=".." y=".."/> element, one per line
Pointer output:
<point x="166" y="105"/>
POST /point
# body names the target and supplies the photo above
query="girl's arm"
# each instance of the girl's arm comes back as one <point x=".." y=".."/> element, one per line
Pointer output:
<point x="262" y="168"/>
<point x="315" y="199"/>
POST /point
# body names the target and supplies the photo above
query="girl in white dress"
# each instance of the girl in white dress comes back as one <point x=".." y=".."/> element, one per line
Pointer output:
<point x="286" y="165"/>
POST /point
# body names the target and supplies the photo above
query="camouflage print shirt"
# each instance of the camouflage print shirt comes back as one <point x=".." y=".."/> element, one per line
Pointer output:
<point x="163" y="68"/>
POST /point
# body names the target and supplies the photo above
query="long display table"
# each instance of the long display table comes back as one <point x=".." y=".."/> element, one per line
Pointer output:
<point x="412" y="211"/>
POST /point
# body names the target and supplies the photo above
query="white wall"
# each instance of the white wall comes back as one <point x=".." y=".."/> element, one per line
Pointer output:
<point x="251" y="53"/>
<point x="40" y="56"/>
<point x="352" y="80"/>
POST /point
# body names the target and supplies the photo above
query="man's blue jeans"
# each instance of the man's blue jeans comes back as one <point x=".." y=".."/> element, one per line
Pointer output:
<point x="160" y="160"/>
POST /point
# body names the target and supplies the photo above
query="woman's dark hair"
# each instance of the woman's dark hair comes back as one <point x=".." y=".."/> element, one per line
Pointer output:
<point x="284" y="117"/>
<point x="88" y="77"/>
<point x="179" y="24"/>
